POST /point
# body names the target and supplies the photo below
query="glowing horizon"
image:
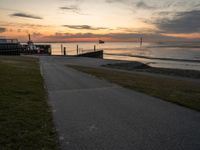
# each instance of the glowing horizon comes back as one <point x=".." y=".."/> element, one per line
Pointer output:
<point x="111" y="20"/>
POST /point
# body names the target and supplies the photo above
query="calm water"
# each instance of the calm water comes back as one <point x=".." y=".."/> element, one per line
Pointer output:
<point x="128" y="51"/>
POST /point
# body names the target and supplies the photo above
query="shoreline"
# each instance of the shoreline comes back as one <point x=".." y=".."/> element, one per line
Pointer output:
<point x="156" y="58"/>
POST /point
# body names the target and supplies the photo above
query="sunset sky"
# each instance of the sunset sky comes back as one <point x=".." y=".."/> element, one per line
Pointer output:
<point x="90" y="20"/>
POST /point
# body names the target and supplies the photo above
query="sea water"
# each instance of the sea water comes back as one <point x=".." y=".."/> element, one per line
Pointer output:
<point x="131" y="50"/>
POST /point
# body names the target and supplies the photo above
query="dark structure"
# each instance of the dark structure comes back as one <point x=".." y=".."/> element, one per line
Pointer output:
<point x="13" y="47"/>
<point x="31" y="48"/>
<point x="95" y="54"/>
<point x="37" y="49"/>
<point x="10" y="47"/>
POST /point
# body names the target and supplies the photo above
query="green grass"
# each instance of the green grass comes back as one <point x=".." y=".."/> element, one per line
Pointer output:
<point x="25" y="117"/>
<point x="140" y="67"/>
<point x="182" y="92"/>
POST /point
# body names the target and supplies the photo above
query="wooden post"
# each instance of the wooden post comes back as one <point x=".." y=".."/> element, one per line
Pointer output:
<point x="64" y="51"/>
<point x="61" y="49"/>
<point x="77" y="49"/>
<point x="94" y="47"/>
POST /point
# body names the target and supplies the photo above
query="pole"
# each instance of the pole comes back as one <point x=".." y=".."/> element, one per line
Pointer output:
<point x="94" y="47"/>
<point x="29" y="37"/>
<point x="61" y="49"/>
<point x="64" y="51"/>
<point x="77" y="49"/>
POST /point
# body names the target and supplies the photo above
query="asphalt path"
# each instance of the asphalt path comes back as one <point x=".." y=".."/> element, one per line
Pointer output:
<point x="93" y="114"/>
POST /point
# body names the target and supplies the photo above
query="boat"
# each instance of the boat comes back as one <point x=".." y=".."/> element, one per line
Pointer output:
<point x="31" y="48"/>
<point x="31" y="45"/>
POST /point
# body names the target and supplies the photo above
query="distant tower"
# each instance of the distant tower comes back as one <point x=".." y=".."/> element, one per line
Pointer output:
<point x="29" y="40"/>
<point x="30" y="43"/>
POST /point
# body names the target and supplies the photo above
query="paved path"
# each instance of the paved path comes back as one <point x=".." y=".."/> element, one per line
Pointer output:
<point x="92" y="114"/>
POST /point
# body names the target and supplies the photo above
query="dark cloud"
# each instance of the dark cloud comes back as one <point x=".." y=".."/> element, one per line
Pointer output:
<point x="143" y="5"/>
<point x="191" y="4"/>
<point x="2" y="29"/>
<point x="182" y="22"/>
<point x="73" y="8"/>
<point x="164" y="13"/>
<point x="83" y="27"/>
<point x="70" y="8"/>
<point x="197" y="5"/>
<point x="139" y="5"/>
<point x="24" y="15"/>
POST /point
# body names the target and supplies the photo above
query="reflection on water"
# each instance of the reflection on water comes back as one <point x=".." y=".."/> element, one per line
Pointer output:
<point x="124" y="51"/>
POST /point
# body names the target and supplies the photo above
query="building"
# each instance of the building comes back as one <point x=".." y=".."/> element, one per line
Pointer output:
<point x="9" y="47"/>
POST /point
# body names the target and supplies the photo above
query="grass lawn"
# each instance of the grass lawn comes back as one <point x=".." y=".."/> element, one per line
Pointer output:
<point x="25" y="117"/>
<point x="182" y="92"/>
<point x="140" y="67"/>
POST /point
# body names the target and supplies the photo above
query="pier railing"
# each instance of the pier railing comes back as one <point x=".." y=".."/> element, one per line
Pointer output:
<point x="80" y="52"/>
<point x="77" y="51"/>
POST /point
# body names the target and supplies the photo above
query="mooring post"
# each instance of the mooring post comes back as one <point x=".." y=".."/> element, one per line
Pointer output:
<point x="61" y="49"/>
<point x="141" y="41"/>
<point x="94" y="47"/>
<point x="64" y="51"/>
<point x="77" y="49"/>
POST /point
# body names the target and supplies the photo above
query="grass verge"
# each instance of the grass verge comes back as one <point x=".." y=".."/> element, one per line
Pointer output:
<point x="140" y="67"/>
<point x="182" y="92"/>
<point x="25" y="117"/>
